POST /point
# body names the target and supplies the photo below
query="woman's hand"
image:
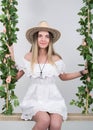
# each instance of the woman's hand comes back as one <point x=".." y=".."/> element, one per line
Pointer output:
<point x="69" y="76"/>
<point x="83" y="72"/>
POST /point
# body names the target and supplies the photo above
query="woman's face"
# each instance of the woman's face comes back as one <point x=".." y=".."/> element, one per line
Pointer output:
<point x="43" y="39"/>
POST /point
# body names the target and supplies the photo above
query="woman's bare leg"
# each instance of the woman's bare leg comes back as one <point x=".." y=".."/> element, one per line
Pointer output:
<point x="56" y="122"/>
<point x="42" y="121"/>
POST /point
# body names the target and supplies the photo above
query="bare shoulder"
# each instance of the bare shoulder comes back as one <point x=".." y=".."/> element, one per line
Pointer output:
<point x="28" y="56"/>
<point x="56" y="57"/>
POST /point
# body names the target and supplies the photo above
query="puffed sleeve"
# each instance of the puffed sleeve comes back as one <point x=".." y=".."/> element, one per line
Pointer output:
<point x="20" y="67"/>
<point x="25" y="66"/>
<point x="60" y="66"/>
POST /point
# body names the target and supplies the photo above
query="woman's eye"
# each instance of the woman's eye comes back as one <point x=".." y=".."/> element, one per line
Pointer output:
<point x="47" y="36"/>
<point x="39" y="35"/>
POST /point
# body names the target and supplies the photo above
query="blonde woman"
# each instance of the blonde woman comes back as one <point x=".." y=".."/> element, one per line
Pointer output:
<point x="43" y="102"/>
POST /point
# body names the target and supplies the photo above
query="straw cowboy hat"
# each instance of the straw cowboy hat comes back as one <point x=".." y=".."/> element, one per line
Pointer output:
<point x="42" y="26"/>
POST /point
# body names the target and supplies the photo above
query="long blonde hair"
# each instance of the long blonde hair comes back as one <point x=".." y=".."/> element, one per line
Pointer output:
<point x="35" y="50"/>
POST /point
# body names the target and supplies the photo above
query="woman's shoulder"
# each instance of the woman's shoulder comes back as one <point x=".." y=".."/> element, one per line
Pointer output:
<point x="28" y="56"/>
<point x="56" y="57"/>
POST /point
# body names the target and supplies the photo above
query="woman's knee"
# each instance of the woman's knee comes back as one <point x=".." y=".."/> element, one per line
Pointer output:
<point x="43" y="119"/>
<point x="56" y="122"/>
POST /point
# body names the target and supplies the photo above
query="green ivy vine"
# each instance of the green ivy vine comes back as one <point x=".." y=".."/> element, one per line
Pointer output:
<point x="85" y="91"/>
<point x="8" y="37"/>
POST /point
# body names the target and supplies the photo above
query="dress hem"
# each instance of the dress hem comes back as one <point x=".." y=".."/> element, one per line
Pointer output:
<point x="30" y="116"/>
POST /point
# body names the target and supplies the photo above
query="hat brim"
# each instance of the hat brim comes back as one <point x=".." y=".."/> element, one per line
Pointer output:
<point x="29" y="34"/>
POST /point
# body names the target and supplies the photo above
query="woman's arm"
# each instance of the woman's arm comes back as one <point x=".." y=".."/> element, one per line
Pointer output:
<point x="69" y="76"/>
<point x="19" y="74"/>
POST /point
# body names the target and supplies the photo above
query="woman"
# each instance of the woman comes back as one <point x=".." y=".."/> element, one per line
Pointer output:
<point x="43" y="102"/>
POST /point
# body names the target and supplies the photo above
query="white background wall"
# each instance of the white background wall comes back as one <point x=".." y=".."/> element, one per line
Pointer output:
<point x="61" y="14"/>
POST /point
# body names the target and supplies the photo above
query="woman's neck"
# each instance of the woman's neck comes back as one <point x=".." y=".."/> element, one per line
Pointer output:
<point x="42" y="56"/>
<point x="42" y="52"/>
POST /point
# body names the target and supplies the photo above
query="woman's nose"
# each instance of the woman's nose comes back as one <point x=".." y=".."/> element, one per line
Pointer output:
<point x="43" y="39"/>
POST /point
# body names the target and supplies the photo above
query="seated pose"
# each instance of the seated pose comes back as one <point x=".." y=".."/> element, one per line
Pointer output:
<point x="43" y="103"/>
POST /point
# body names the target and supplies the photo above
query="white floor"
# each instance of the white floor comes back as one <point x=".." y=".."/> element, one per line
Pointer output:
<point x="23" y="125"/>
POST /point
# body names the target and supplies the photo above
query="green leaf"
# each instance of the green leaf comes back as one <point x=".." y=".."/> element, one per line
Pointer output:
<point x="8" y="111"/>
<point x="88" y="57"/>
<point x="11" y="86"/>
<point x="13" y="96"/>
<point x="2" y="92"/>
<point x="2" y="88"/>
<point x="16" y="103"/>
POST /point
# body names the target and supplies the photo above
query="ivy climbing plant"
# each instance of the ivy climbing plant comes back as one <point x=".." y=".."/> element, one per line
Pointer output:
<point x="8" y="37"/>
<point x="85" y="91"/>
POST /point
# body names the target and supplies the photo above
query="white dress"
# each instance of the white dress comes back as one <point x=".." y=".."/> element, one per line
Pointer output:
<point x="43" y="94"/>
